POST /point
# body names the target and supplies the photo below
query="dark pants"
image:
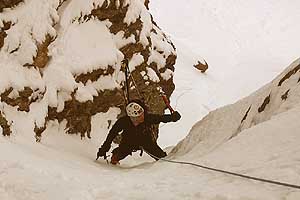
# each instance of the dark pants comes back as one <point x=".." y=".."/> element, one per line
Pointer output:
<point x="149" y="146"/>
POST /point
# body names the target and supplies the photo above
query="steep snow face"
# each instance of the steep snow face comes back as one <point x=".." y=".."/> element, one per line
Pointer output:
<point x="226" y="123"/>
<point x="237" y="39"/>
<point x="62" y="60"/>
<point x="245" y="43"/>
<point x="256" y="136"/>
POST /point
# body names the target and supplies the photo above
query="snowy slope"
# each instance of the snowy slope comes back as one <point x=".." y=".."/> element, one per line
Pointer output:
<point x="264" y="144"/>
<point x="228" y="122"/>
<point x="246" y="44"/>
<point x="258" y="135"/>
<point x="62" y="166"/>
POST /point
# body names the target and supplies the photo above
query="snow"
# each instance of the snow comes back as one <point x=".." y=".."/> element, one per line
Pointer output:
<point x="85" y="93"/>
<point x="134" y="11"/>
<point x="137" y="10"/>
<point x="121" y="41"/>
<point x="13" y="69"/>
<point x="78" y="48"/>
<point x="167" y="74"/>
<point x="158" y="44"/>
<point x="30" y="26"/>
<point x="76" y="8"/>
<point x="243" y="54"/>
<point x="136" y="60"/>
<point x="80" y="45"/>
<point x="157" y="58"/>
<point x="275" y="153"/>
<point x="152" y="75"/>
<point x="269" y="149"/>
<point x="246" y="44"/>
<point x="80" y="40"/>
<point x="65" y="164"/>
<point x="223" y="128"/>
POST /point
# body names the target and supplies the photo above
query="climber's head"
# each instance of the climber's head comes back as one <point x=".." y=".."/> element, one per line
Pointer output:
<point x="136" y="112"/>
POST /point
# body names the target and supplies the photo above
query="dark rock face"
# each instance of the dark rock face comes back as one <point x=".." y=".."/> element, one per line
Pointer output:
<point x="78" y="114"/>
<point x="285" y="95"/>
<point x="3" y="32"/>
<point x="264" y="104"/>
<point x="4" y="125"/>
<point x="245" y="116"/>
<point x="289" y="74"/>
<point x="22" y="101"/>
<point x="42" y="57"/>
<point x="8" y="4"/>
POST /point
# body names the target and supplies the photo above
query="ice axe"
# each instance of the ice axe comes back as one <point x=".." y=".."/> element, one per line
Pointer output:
<point x="164" y="97"/>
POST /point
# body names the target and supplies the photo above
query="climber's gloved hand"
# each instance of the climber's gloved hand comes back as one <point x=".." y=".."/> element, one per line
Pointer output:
<point x="102" y="151"/>
<point x="175" y="116"/>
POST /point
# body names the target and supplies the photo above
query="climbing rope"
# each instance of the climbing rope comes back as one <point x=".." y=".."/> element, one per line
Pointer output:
<point x="226" y="172"/>
<point x="128" y="74"/>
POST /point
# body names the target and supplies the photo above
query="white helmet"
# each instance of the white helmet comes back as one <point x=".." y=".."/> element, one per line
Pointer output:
<point x="134" y="110"/>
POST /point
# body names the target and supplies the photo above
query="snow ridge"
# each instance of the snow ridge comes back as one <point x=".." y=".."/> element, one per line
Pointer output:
<point x="227" y="122"/>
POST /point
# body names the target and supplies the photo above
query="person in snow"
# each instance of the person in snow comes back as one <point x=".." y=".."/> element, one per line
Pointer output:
<point x="136" y="135"/>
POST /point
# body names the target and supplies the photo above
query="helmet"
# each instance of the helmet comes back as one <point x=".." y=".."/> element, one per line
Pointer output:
<point x="134" y="110"/>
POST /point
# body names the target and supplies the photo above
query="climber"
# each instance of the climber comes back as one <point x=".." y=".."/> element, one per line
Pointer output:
<point x="136" y="134"/>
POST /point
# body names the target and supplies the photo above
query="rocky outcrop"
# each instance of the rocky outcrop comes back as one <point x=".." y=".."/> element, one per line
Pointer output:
<point x="285" y="95"/>
<point x="264" y="104"/>
<point x="8" y="4"/>
<point x="246" y="115"/>
<point x="6" y="26"/>
<point x="41" y="59"/>
<point x="21" y="100"/>
<point x="4" y="125"/>
<point x="202" y="67"/>
<point x="65" y="90"/>
<point x="289" y="74"/>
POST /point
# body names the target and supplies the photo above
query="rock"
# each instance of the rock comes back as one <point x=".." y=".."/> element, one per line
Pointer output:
<point x="6" y="26"/>
<point x="289" y="74"/>
<point x="42" y="57"/>
<point x="285" y="95"/>
<point x="6" y="131"/>
<point x="202" y="67"/>
<point x="148" y="43"/>
<point x="8" y="4"/>
<point x="264" y="104"/>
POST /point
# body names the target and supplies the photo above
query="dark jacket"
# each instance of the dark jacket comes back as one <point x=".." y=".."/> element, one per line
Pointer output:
<point x="135" y="135"/>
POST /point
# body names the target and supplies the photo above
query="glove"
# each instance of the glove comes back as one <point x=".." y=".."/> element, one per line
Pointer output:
<point x="175" y="116"/>
<point x="102" y="151"/>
